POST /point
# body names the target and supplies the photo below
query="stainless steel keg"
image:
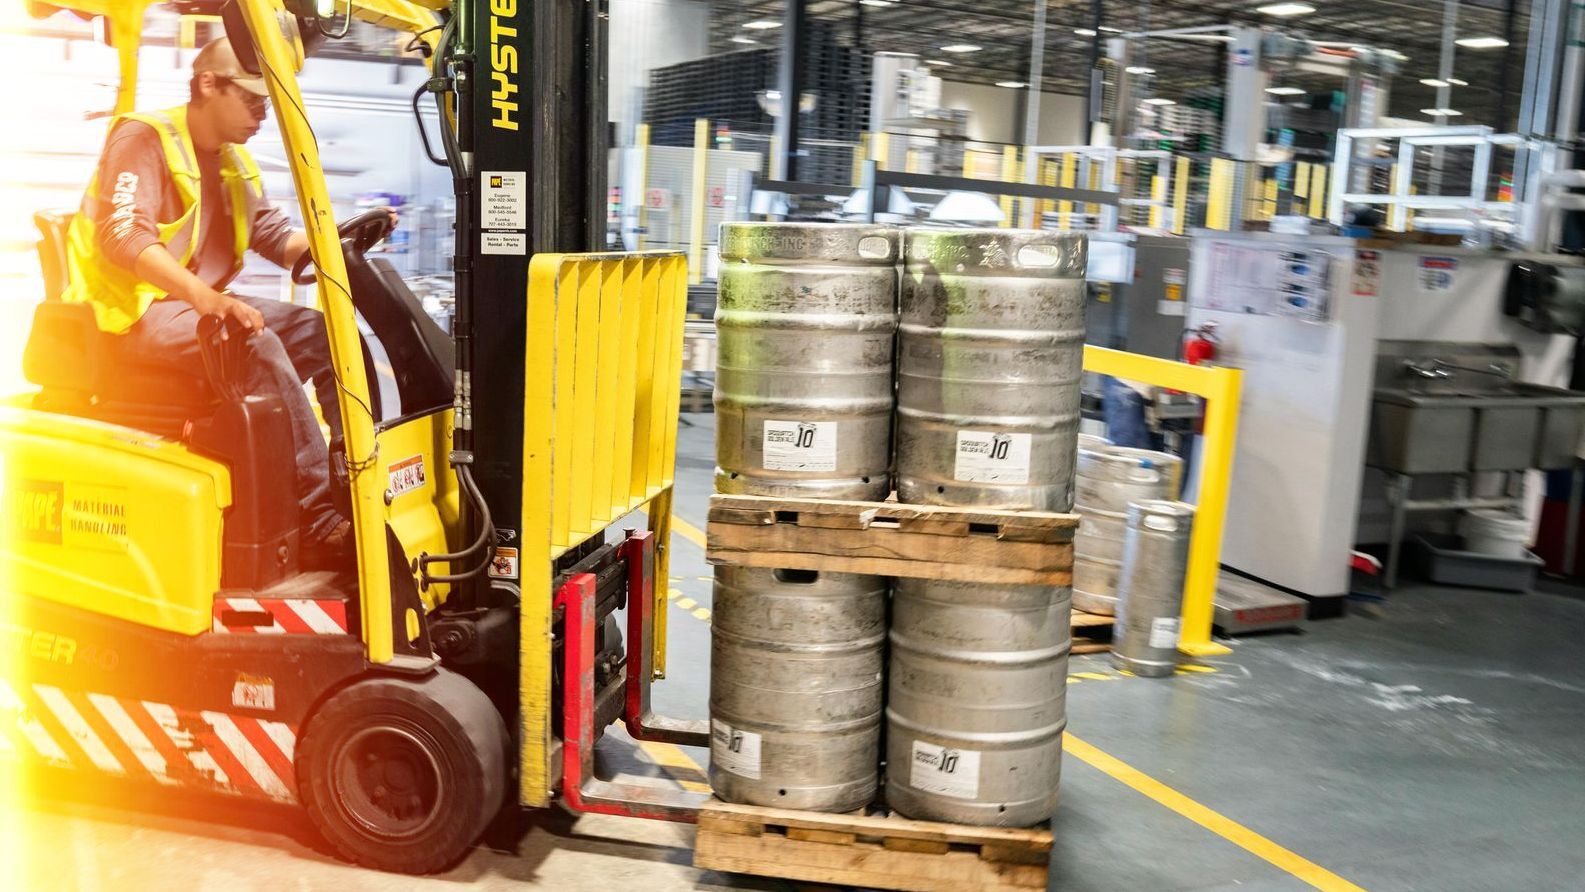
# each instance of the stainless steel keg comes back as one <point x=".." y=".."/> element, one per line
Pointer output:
<point x="1150" y="590"/>
<point x="1108" y="479"/>
<point x="806" y="318"/>
<point x="989" y="361"/>
<point x="976" y="701"/>
<point x="795" y="687"/>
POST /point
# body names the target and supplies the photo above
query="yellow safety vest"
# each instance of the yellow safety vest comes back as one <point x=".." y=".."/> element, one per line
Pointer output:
<point x="118" y="296"/>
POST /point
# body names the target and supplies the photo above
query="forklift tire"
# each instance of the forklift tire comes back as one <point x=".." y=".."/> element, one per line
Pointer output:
<point x="403" y="774"/>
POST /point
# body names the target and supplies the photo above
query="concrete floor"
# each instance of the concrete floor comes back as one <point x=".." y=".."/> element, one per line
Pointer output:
<point x="1437" y="745"/>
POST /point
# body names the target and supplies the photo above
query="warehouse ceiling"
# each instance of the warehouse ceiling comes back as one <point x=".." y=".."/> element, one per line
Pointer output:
<point x="1003" y="29"/>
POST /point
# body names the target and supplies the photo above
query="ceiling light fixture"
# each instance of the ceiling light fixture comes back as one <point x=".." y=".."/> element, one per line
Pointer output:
<point x="747" y="41"/>
<point x="962" y="48"/>
<point x="1011" y="85"/>
<point x="1435" y="82"/>
<point x="874" y="3"/>
<point x="1285" y="9"/>
<point x="1285" y="91"/>
<point x="1139" y="69"/>
<point x="1157" y="100"/>
<point x="1481" y="43"/>
<point x="761" y="25"/>
<point x="937" y="63"/>
<point x="1084" y="32"/>
<point x="1441" y="112"/>
<point x="1457" y="83"/>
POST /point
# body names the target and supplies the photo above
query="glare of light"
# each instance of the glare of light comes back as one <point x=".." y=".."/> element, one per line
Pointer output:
<point x="1139" y="69"/>
<point x="1012" y="85"/>
<point x="1441" y="112"/>
<point x="1157" y="100"/>
<point x="1457" y="83"/>
<point x="747" y="41"/>
<point x="1285" y="91"/>
<point x="1285" y="9"/>
<point x="967" y="207"/>
<point x="762" y="25"/>
<point x="1481" y="43"/>
<point x="1434" y="82"/>
<point x="962" y="48"/>
<point x="1084" y="32"/>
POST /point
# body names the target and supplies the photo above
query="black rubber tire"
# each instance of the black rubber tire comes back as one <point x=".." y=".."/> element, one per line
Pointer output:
<point x="437" y="741"/>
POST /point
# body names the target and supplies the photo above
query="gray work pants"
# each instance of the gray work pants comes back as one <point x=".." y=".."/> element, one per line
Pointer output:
<point x="291" y="351"/>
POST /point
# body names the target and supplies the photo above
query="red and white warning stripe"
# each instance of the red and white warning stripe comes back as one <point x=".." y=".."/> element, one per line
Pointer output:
<point x="137" y="738"/>
<point x="280" y="616"/>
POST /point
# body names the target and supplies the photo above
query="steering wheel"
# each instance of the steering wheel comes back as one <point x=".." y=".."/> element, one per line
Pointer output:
<point x="365" y="231"/>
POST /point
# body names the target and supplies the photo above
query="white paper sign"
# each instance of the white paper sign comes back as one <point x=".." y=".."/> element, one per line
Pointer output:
<point x="984" y="457"/>
<point x="503" y="199"/>
<point x="1437" y="275"/>
<point x="735" y="751"/>
<point x="945" y="771"/>
<point x="800" y="446"/>
<point x="1164" y="631"/>
<point x="503" y="243"/>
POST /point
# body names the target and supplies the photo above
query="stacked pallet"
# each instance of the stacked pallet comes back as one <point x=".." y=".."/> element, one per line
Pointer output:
<point x="882" y="539"/>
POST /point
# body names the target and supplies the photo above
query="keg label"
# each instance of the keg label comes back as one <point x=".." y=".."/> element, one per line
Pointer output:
<point x="1164" y="631"/>
<point x="735" y="751"/>
<point x="800" y="446"/>
<point x="985" y="457"/>
<point x="945" y="771"/>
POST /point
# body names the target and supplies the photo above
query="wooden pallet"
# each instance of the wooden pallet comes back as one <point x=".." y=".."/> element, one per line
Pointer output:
<point x="890" y="539"/>
<point x="874" y="852"/>
<point x="1088" y="637"/>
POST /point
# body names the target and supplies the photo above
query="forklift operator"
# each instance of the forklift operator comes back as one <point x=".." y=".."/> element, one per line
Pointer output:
<point x="173" y="206"/>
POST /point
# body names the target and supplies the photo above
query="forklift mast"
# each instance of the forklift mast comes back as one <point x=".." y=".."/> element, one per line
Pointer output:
<point x="533" y="119"/>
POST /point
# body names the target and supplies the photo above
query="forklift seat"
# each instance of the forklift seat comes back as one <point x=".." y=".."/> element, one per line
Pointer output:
<point x="80" y="370"/>
<point x="52" y="250"/>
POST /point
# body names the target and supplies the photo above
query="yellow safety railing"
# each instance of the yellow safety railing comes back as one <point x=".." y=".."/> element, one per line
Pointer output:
<point x="601" y="388"/>
<point x="1220" y="389"/>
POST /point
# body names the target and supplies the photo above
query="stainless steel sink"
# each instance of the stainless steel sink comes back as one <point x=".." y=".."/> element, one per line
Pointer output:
<point x="1446" y="427"/>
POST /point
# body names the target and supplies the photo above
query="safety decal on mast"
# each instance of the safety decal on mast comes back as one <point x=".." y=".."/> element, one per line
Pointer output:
<point x="503" y="212"/>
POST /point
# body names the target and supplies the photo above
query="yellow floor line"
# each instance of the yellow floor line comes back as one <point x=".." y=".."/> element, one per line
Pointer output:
<point x="676" y="765"/>
<point x="1217" y="823"/>
<point x="688" y="531"/>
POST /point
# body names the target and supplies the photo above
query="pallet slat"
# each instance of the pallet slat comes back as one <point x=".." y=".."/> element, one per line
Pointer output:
<point x="875" y="852"/>
<point x="1085" y="626"/>
<point x="890" y="539"/>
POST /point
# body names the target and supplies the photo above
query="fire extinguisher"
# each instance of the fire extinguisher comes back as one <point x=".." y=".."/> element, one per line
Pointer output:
<point x="1199" y="348"/>
<point x="1199" y="344"/>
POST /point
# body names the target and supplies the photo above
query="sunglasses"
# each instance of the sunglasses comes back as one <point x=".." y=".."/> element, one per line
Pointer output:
<point x="253" y="101"/>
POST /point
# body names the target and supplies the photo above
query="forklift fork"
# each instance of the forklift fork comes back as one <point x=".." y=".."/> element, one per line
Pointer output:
<point x="582" y="790"/>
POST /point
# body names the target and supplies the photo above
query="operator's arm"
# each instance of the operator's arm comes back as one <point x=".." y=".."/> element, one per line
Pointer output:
<point x="133" y="181"/>
<point x="156" y="266"/>
<point x="276" y="240"/>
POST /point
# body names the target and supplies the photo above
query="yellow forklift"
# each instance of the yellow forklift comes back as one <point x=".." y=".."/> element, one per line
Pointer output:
<point x="155" y="618"/>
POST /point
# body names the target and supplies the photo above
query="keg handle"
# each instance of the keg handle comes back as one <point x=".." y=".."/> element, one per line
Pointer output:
<point x="1162" y="523"/>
